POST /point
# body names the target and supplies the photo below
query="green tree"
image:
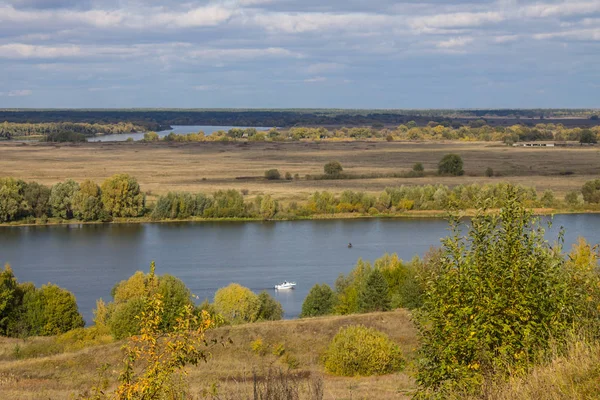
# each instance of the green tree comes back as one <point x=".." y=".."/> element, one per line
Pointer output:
<point x="272" y="174"/>
<point x="587" y="136"/>
<point x="494" y="301"/>
<point x="226" y="204"/>
<point x="489" y="172"/>
<point x="11" y="199"/>
<point x="121" y="196"/>
<point x="129" y="296"/>
<point x="269" y="309"/>
<point x="61" y="198"/>
<point x="333" y="168"/>
<point x="374" y="295"/>
<point x="591" y="191"/>
<point x="319" y="301"/>
<point x="451" y="164"/>
<point x="268" y="207"/>
<point x="87" y="202"/>
<point x="8" y="297"/>
<point x="547" y="199"/>
<point x="51" y="310"/>
<point x="418" y="167"/>
<point x="237" y="304"/>
<point x="37" y="198"/>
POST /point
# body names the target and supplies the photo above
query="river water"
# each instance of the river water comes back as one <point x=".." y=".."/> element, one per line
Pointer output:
<point x="179" y="129"/>
<point x="89" y="259"/>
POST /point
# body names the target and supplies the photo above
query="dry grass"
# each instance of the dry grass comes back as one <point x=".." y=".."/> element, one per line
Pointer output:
<point x="210" y="166"/>
<point x="231" y="367"/>
<point x="575" y="376"/>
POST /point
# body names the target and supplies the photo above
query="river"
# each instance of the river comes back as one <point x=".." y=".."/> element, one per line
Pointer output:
<point x="89" y="259"/>
<point x="179" y="129"/>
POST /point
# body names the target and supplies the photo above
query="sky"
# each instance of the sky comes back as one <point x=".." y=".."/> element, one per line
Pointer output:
<point x="299" y="54"/>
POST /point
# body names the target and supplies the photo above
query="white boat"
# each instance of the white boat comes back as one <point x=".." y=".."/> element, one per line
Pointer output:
<point x="285" y="285"/>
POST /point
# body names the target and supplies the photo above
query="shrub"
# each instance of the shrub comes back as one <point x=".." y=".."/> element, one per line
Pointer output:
<point x="587" y="136"/>
<point x="451" y="164"/>
<point x="591" y="191"/>
<point x="418" y="167"/>
<point x="319" y="301"/>
<point x="288" y="176"/>
<point x="547" y="199"/>
<point x="358" y="350"/>
<point x="389" y="138"/>
<point x="66" y="136"/>
<point x="333" y="168"/>
<point x="572" y="198"/>
<point x="272" y="174"/>
<point x="494" y="301"/>
<point x="489" y="172"/>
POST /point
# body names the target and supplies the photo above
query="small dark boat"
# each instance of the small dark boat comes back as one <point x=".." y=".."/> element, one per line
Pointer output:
<point x="349" y="245"/>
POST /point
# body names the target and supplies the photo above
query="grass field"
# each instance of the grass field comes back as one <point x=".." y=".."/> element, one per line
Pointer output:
<point x="209" y="166"/>
<point x="230" y="369"/>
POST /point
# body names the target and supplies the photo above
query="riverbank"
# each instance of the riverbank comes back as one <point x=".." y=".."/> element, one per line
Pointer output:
<point x="431" y="214"/>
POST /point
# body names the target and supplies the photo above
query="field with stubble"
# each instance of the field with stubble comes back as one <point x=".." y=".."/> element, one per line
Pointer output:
<point x="209" y="166"/>
<point x="231" y="368"/>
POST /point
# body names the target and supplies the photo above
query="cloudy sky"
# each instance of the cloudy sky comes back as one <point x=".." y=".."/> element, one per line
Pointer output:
<point x="300" y="53"/>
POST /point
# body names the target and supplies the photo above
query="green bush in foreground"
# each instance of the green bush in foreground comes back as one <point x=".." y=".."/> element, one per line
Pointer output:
<point x="358" y="350"/>
<point x="498" y="300"/>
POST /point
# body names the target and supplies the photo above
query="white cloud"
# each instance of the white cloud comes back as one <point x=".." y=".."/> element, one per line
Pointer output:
<point x="313" y="22"/>
<point x="23" y="51"/>
<point x="242" y="53"/>
<point x="565" y="8"/>
<point x="454" y="43"/>
<point x="506" y="38"/>
<point x="455" y="20"/>
<point x="316" y="79"/>
<point x="576" y="34"/>
<point x="320" y="68"/>
<point x="17" y="93"/>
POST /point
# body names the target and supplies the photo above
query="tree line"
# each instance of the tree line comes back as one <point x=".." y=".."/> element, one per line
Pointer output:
<point x="164" y="118"/>
<point x="121" y="197"/>
<point x="476" y="130"/>
<point x="11" y="129"/>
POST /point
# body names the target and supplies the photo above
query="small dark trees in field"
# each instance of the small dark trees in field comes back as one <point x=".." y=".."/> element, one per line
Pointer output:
<point x="451" y="164"/>
<point x="489" y="172"/>
<point x="333" y="168"/>
<point x="272" y="174"/>
<point x="591" y="191"/>
<point x="418" y="168"/>
<point x="588" y="137"/>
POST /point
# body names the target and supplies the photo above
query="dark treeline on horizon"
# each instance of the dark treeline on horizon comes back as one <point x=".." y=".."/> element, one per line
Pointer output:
<point x="163" y="119"/>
